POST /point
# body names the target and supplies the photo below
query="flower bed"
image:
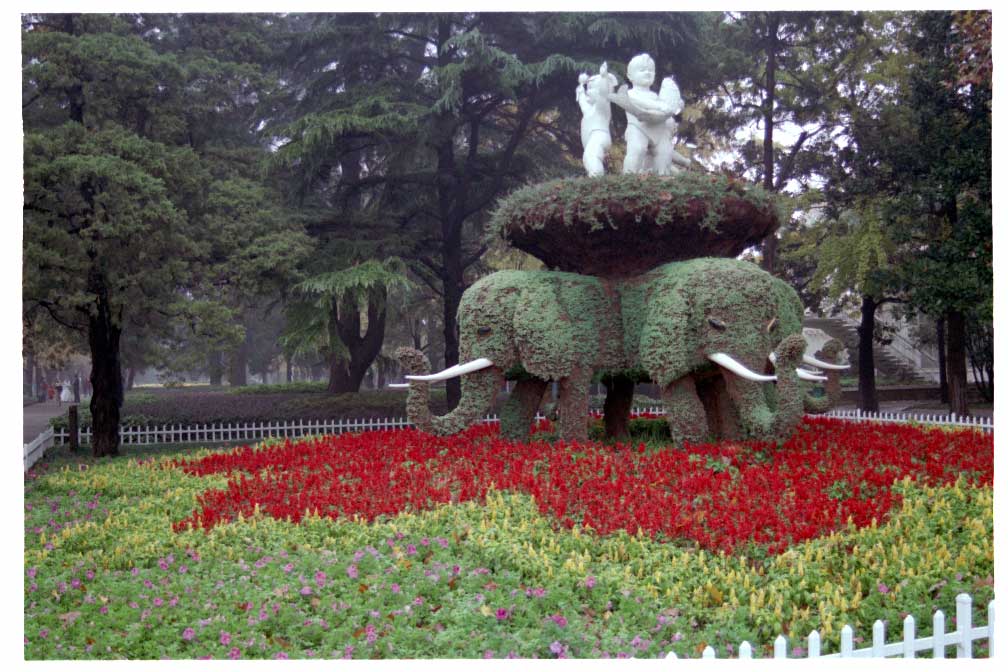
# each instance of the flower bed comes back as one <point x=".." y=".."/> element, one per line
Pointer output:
<point x="720" y="496"/>
<point x="171" y="557"/>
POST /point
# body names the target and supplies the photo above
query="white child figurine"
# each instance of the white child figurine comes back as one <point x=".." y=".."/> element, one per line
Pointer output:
<point x="593" y="97"/>
<point x="650" y="120"/>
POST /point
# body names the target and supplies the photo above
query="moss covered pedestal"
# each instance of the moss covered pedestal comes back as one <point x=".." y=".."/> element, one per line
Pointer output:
<point x="622" y="228"/>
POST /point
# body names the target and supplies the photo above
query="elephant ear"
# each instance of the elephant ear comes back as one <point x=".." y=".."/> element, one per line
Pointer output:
<point x="668" y="339"/>
<point x="544" y="332"/>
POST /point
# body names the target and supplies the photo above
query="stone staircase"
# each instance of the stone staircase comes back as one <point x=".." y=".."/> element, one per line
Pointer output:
<point x="886" y="363"/>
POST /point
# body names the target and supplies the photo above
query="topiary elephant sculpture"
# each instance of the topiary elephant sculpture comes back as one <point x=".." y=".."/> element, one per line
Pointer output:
<point x="713" y="333"/>
<point x="701" y="329"/>
<point x="534" y="325"/>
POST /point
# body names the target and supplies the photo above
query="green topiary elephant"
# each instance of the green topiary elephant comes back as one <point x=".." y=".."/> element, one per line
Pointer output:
<point x="701" y="329"/>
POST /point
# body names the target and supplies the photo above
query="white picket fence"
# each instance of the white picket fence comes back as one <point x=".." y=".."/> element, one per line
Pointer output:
<point x="982" y="424"/>
<point x="255" y="431"/>
<point x="34" y="451"/>
<point x="962" y="639"/>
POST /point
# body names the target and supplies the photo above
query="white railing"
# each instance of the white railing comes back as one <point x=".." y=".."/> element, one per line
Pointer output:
<point x="34" y="451"/>
<point x="983" y="424"/>
<point x="962" y="639"/>
<point x="222" y="432"/>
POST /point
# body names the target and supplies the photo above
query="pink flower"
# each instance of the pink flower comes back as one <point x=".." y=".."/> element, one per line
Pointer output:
<point x="502" y="614"/>
<point x="305" y="590"/>
<point x="158" y="601"/>
<point x="234" y="653"/>
<point x="225" y="638"/>
<point x="43" y="633"/>
<point x="182" y="569"/>
<point x="559" y="620"/>
<point x="882" y="588"/>
<point x="589" y="582"/>
<point x="188" y="634"/>
<point x="288" y="567"/>
<point x="320" y="578"/>
<point x="352" y="571"/>
<point x="31" y="572"/>
<point x="410" y="549"/>
<point x="103" y="610"/>
<point x="396" y="588"/>
<point x="281" y="655"/>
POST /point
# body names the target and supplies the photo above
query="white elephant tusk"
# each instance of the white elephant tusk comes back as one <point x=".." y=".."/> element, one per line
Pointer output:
<point x="808" y="375"/>
<point x="721" y="359"/>
<point x="398" y="386"/>
<point x="809" y="359"/>
<point x="454" y="371"/>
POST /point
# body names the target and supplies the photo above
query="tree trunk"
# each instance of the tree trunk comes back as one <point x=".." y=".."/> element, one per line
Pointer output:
<point x="72" y="428"/>
<point x="290" y="373"/>
<point x="452" y="297"/>
<point x="106" y="372"/>
<point x="770" y="242"/>
<point x="867" y="394"/>
<point x="216" y="367"/>
<point x="237" y="376"/>
<point x="942" y="373"/>
<point x="618" y="402"/>
<point x="956" y="362"/>
<point x="347" y="372"/>
<point x="130" y="377"/>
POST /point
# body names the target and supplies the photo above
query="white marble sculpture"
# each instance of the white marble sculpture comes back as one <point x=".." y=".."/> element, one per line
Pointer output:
<point x="651" y="124"/>
<point x="593" y="97"/>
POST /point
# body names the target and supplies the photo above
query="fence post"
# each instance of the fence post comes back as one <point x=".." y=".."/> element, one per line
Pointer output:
<point x="909" y="635"/>
<point x="938" y="646"/>
<point x="964" y="625"/>
<point x="814" y="644"/>
<point x="878" y="640"/>
<point x="73" y="427"/>
<point x="780" y="647"/>
<point x="846" y="641"/>
<point x="990" y="629"/>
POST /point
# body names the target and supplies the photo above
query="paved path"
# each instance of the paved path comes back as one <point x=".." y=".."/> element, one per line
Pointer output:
<point x="36" y="417"/>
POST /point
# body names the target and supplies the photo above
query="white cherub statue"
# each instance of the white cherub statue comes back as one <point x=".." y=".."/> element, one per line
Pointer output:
<point x="593" y="97"/>
<point x="651" y="122"/>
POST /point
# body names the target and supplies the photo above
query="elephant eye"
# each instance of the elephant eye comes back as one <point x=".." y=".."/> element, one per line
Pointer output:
<point x="716" y="323"/>
<point x="483" y="331"/>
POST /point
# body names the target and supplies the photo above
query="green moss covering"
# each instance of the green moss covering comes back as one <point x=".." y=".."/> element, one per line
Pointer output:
<point x="539" y="326"/>
<point x="623" y="225"/>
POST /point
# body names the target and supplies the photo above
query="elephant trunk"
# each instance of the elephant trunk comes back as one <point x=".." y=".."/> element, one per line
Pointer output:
<point x="790" y="393"/>
<point x="479" y="387"/>
<point x="827" y="358"/>
<point x="418" y="399"/>
<point x="768" y="413"/>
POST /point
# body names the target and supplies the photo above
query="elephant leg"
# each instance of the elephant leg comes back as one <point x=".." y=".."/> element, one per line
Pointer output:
<point x="756" y="417"/>
<point x="618" y="402"/>
<point x="573" y="405"/>
<point x="519" y="410"/>
<point x="684" y="411"/>
<point x="722" y="416"/>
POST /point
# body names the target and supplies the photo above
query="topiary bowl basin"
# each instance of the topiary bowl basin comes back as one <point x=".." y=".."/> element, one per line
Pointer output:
<point x="622" y="225"/>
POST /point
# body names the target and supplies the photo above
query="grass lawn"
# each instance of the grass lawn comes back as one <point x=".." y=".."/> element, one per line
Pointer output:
<point x="399" y="545"/>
